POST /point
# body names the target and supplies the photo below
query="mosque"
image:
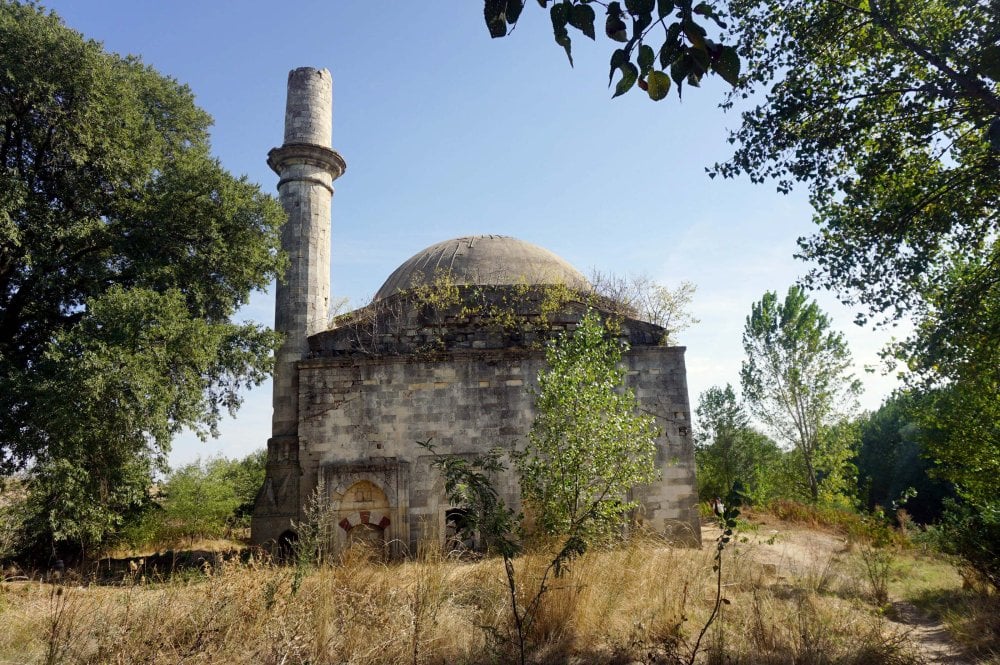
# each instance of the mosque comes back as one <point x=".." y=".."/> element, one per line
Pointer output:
<point x="448" y="351"/>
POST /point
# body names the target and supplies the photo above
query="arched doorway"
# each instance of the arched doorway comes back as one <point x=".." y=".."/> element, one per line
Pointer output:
<point x="363" y="513"/>
<point x="366" y="535"/>
<point x="285" y="552"/>
<point x="457" y="540"/>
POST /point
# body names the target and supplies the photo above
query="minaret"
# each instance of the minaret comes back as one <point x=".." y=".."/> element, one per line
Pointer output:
<point x="306" y="165"/>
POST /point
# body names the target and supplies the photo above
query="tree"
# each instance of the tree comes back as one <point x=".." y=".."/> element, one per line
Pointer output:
<point x="208" y="498"/>
<point x="125" y="251"/>
<point x="640" y="297"/>
<point x="890" y="113"/>
<point x="686" y="54"/>
<point x="246" y="477"/>
<point x="588" y="446"/>
<point x="892" y="461"/>
<point x="729" y="451"/>
<point x="796" y="376"/>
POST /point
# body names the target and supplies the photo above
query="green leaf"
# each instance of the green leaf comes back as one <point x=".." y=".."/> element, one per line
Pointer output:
<point x="679" y="71"/>
<point x="639" y="7"/>
<point x="630" y="73"/>
<point x="496" y="22"/>
<point x="989" y="59"/>
<point x="645" y="59"/>
<point x="672" y="46"/>
<point x="727" y="65"/>
<point x="706" y="10"/>
<point x="560" y="17"/>
<point x="658" y="85"/>
<point x="618" y="58"/>
<point x="702" y="61"/>
<point x="664" y="7"/>
<point x="542" y="3"/>
<point x="695" y="34"/>
<point x="513" y="11"/>
<point x="680" y="68"/>
<point x="640" y="23"/>
<point x="614" y="26"/>
<point x="582" y="18"/>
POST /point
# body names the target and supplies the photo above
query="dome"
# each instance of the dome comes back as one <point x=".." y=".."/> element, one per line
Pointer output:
<point x="488" y="260"/>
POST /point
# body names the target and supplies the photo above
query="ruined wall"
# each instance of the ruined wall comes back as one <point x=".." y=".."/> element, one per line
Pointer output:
<point x="375" y="408"/>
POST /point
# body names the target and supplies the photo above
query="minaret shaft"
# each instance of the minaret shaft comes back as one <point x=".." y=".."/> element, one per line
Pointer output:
<point x="306" y="166"/>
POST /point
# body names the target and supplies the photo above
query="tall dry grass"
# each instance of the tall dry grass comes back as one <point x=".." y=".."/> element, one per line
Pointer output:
<point x="643" y="602"/>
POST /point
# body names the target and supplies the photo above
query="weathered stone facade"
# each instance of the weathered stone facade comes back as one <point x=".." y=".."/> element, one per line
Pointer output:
<point x="352" y="402"/>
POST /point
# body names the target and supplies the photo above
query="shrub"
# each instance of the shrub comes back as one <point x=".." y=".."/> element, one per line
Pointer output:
<point x="973" y="534"/>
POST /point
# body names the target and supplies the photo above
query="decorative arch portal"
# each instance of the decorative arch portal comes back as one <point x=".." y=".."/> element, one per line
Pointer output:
<point x="364" y="513"/>
<point x="374" y="493"/>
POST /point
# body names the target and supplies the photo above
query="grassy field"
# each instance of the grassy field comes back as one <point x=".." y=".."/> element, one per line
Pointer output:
<point x="646" y="602"/>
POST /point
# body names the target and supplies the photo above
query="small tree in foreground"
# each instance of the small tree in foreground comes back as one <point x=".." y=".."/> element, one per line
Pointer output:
<point x="588" y="446"/>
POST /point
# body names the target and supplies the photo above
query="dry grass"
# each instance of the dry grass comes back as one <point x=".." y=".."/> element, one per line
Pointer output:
<point x="644" y="602"/>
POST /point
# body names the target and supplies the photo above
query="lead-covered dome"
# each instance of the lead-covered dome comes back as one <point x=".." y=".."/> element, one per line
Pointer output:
<point x="484" y="260"/>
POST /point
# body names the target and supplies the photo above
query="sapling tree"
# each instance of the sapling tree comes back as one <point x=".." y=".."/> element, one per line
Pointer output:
<point x="589" y="445"/>
<point x="587" y="449"/>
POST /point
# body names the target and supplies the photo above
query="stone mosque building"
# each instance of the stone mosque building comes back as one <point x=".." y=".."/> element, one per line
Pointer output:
<point x="448" y="351"/>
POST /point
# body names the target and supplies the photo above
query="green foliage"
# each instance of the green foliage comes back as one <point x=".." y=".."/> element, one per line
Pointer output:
<point x="203" y="499"/>
<point x="728" y="451"/>
<point x="962" y="432"/>
<point x="13" y="497"/>
<point x="245" y="476"/>
<point x="728" y="519"/>
<point x="796" y="379"/>
<point x="888" y="111"/>
<point x="685" y="54"/>
<point x="891" y="459"/>
<point x="834" y="467"/>
<point x="885" y="122"/>
<point x="197" y="501"/>
<point x="125" y="250"/>
<point x="588" y="445"/>
<point x="587" y="449"/>
<point x="469" y="484"/>
<point x="313" y="544"/>
<point x="972" y="532"/>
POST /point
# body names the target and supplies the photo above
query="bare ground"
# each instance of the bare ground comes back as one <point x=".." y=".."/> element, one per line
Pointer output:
<point x="791" y="551"/>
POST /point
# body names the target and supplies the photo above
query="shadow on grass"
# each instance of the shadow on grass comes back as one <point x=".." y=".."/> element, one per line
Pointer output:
<point x="972" y="617"/>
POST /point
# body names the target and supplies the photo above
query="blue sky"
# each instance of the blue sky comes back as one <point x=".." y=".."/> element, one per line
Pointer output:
<point x="449" y="133"/>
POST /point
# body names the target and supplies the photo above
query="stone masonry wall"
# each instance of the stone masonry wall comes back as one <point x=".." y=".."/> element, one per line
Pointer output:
<point x="358" y="408"/>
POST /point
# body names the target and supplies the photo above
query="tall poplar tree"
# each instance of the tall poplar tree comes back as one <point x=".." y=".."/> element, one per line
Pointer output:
<point x="796" y="377"/>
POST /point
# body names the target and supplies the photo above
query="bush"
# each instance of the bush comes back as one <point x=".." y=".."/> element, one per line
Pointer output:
<point x="203" y="499"/>
<point x="973" y="534"/>
<point x="12" y="509"/>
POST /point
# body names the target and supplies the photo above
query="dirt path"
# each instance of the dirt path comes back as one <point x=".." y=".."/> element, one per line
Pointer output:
<point x="788" y="550"/>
